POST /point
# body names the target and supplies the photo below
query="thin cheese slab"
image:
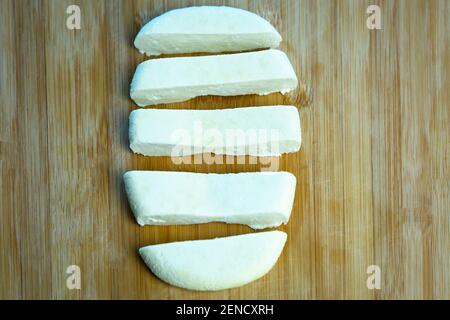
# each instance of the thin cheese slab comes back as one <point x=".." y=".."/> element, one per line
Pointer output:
<point x="216" y="264"/>
<point x="169" y="80"/>
<point x="206" y="29"/>
<point x="256" y="131"/>
<point x="257" y="199"/>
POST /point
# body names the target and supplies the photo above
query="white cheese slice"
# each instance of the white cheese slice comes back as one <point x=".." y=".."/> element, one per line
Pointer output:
<point x="169" y="80"/>
<point x="206" y="29"/>
<point x="257" y="199"/>
<point x="215" y="264"/>
<point x="256" y="131"/>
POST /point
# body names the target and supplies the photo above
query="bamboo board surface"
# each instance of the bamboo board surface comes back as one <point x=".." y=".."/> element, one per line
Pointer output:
<point x="373" y="178"/>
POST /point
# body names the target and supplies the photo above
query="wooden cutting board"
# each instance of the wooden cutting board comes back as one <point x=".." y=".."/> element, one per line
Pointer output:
<point x="373" y="171"/>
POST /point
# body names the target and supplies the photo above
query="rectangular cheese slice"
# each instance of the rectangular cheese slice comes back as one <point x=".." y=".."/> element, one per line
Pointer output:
<point x="256" y="131"/>
<point x="257" y="199"/>
<point x="169" y="80"/>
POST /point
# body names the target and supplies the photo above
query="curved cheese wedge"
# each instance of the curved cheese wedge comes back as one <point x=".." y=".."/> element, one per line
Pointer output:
<point x="215" y="264"/>
<point x="256" y="131"/>
<point x="178" y="79"/>
<point x="257" y="199"/>
<point x="206" y="29"/>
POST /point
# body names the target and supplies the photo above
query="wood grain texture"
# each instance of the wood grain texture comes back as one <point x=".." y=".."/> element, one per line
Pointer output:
<point x="373" y="172"/>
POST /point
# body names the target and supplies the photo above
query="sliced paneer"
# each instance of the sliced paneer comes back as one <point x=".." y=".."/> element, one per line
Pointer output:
<point x="215" y="264"/>
<point x="206" y="29"/>
<point x="178" y="79"/>
<point x="256" y="131"/>
<point x="257" y="199"/>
